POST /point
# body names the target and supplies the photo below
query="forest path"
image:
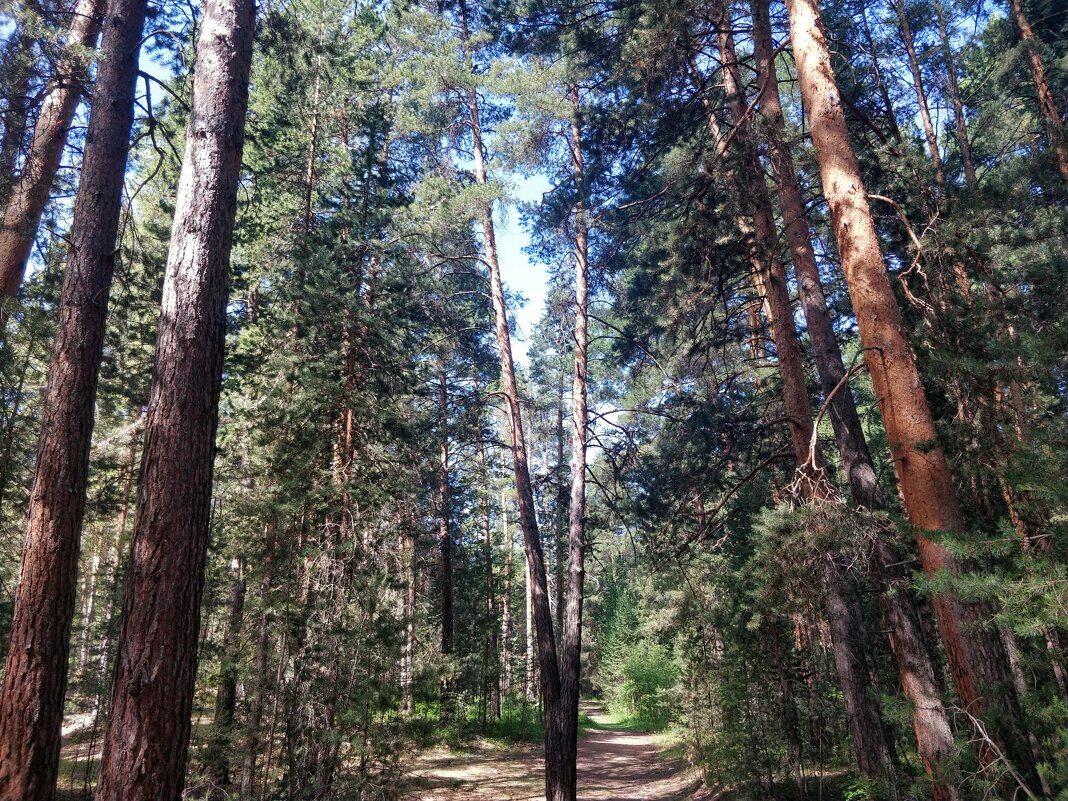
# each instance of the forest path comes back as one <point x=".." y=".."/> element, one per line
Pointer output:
<point x="614" y="764"/>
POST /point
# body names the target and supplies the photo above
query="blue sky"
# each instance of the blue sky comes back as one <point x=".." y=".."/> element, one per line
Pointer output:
<point x="518" y="271"/>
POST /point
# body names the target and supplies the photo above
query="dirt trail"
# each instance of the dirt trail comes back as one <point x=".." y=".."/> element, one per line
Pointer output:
<point x="613" y="765"/>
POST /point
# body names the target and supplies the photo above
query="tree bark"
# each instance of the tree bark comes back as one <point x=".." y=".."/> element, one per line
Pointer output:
<point x="29" y="195"/>
<point x="506" y="602"/>
<point x="921" y="93"/>
<point x="842" y="601"/>
<point x="147" y="739"/>
<point x="408" y="653"/>
<point x="259" y="680"/>
<point x="446" y="610"/>
<point x="492" y="678"/>
<point x="930" y="722"/>
<point x="542" y="613"/>
<point x="1047" y="106"/>
<point x="953" y="87"/>
<point x="923" y="475"/>
<point x="226" y="692"/>
<point x="571" y="652"/>
<point x="35" y="676"/>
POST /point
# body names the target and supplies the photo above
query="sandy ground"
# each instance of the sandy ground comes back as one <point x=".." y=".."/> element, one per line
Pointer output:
<point x="612" y="766"/>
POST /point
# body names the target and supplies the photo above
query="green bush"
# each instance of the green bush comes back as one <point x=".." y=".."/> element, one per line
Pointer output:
<point x="648" y="690"/>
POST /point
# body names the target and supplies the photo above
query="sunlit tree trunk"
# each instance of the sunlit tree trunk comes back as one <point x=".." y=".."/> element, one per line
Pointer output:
<point x="1047" y="106"/>
<point x="929" y="719"/>
<point x="542" y="613"/>
<point x="35" y="675"/>
<point x="921" y="94"/>
<point x="29" y="195"/>
<point x="147" y="739"/>
<point x="923" y="475"/>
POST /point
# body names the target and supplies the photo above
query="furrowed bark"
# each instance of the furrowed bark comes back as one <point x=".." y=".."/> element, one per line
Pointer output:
<point x="35" y="676"/>
<point x="147" y="739"/>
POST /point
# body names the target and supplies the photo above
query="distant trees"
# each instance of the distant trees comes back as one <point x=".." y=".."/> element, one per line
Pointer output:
<point x="313" y="353"/>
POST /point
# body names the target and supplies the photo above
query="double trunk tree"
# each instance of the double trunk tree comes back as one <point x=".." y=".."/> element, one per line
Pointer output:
<point x="147" y="738"/>
<point x="842" y="603"/>
<point x="35" y="675"/>
<point x="559" y="677"/>
<point x="930" y="722"/>
<point x="974" y="657"/>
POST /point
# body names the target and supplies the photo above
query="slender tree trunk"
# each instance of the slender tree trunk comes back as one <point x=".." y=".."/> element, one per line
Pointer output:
<point x="226" y="692"/>
<point x="921" y="93"/>
<point x="953" y="87"/>
<point x="506" y="602"/>
<point x="445" y="539"/>
<point x="29" y="195"/>
<point x="259" y="680"/>
<point x="543" y="622"/>
<point x="17" y="68"/>
<point x="490" y="650"/>
<point x="929" y="719"/>
<point x="1047" y="106"/>
<point x="877" y="73"/>
<point x="559" y="533"/>
<point x="408" y="653"/>
<point x="35" y="675"/>
<point x="923" y="475"/>
<point x="147" y="739"/>
<point x="571" y="652"/>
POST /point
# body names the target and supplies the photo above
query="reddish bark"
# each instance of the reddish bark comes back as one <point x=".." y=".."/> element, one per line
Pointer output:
<point x="147" y="739"/>
<point x="923" y="475"/>
<point x="35" y="676"/>
<point x="29" y="195"/>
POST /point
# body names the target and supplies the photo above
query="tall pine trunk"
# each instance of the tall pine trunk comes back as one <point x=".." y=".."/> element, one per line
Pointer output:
<point x="923" y="474"/>
<point x="571" y="650"/>
<point x="29" y="195"/>
<point x="953" y="91"/>
<point x="35" y="675"/>
<point x="444" y="539"/>
<point x="541" y="609"/>
<point x="930" y="722"/>
<point x="929" y="132"/>
<point x="842" y="600"/>
<point x="1047" y="106"/>
<point x="147" y="739"/>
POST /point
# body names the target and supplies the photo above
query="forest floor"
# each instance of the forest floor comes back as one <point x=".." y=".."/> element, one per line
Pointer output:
<point x="614" y="764"/>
